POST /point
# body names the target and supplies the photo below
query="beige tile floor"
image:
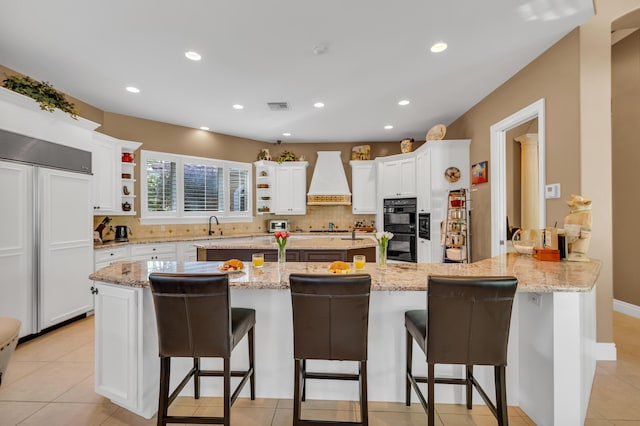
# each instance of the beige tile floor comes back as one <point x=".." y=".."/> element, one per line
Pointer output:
<point x="50" y="382"/>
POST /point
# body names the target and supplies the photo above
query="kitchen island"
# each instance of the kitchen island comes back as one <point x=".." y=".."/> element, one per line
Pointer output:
<point x="299" y="248"/>
<point x="551" y="349"/>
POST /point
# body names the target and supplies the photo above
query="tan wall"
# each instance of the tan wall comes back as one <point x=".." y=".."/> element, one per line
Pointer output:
<point x="625" y="95"/>
<point x="553" y="76"/>
<point x="596" y="147"/>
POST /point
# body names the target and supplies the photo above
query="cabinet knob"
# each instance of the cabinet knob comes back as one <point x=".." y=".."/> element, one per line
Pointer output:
<point x="94" y="290"/>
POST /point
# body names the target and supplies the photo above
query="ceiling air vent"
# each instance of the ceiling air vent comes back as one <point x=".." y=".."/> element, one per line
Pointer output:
<point x="278" y="106"/>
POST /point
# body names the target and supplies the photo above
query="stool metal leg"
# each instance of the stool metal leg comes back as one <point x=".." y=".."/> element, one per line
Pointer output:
<point x="407" y="389"/>
<point x="431" y="408"/>
<point x="196" y="378"/>
<point x="304" y="379"/>
<point x="364" y="405"/>
<point x="163" y="397"/>
<point x="252" y="379"/>
<point x="501" y="395"/>
<point x="297" y="403"/>
<point x="227" y="391"/>
<point x="469" y="386"/>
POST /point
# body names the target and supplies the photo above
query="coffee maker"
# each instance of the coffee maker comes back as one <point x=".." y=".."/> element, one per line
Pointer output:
<point x="122" y="233"/>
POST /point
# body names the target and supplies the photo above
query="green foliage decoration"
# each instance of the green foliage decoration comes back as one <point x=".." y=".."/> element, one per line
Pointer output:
<point x="42" y="92"/>
<point x="286" y="156"/>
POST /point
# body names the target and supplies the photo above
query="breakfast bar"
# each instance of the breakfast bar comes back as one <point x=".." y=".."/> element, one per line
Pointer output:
<point x="551" y="348"/>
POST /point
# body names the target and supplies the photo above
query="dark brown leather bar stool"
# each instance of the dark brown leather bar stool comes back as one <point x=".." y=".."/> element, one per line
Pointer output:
<point x="195" y="320"/>
<point x="330" y="322"/>
<point x="466" y="322"/>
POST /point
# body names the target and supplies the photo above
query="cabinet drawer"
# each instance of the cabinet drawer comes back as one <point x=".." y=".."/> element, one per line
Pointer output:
<point x="165" y="251"/>
<point x="111" y="255"/>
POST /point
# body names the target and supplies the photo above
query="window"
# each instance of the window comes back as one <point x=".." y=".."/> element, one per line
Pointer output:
<point x="182" y="189"/>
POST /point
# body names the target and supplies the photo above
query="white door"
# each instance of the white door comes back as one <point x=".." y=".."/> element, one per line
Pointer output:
<point x="116" y="343"/>
<point x="17" y="291"/>
<point x="66" y="245"/>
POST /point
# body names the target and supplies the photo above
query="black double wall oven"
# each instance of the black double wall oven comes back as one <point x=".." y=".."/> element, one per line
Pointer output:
<point x="400" y="219"/>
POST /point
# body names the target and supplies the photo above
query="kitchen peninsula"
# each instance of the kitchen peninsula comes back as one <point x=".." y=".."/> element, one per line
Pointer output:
<point x="551" y="350"/>
<point x="299" y="249"/>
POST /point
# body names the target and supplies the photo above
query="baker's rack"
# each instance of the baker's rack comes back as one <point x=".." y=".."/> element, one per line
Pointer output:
<point x="456" y="245"/>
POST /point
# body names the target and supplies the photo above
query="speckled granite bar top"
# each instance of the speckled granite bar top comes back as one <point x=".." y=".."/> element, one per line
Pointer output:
<point x="533" y="276"/>
<point x="219" y="240"/>
<point x="294" y="243"/>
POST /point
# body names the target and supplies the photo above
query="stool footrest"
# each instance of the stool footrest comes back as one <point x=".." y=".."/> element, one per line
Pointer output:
<point x="332" y="376"/>
<point x="325" y="423"/>
<point x="196" y="420"/>
<point x="215" y="373"/>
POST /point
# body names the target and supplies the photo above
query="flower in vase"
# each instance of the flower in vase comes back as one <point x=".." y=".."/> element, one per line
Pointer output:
<point x="383" y="237"/>
<point x="383" y="241"/>
<point x="281" y="238"/>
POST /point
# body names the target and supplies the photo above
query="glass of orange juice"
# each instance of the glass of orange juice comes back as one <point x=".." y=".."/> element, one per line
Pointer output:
<point x="359" y="260"/>
<point x="257" y="260"/>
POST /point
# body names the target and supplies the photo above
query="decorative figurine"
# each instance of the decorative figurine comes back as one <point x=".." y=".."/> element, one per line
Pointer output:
<point x="577" y="226"/>
<point x="264" y="155"/>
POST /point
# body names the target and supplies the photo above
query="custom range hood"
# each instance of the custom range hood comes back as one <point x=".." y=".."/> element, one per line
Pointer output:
<point x="329" y="185"/>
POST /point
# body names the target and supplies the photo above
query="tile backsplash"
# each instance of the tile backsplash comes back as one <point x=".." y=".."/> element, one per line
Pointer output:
<point x="317" y="218"/>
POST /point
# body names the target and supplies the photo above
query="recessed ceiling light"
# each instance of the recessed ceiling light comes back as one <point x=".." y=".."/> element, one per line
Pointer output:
<point x="439" y="47"/>
<point x="388" y="127"/>
<point x="404" y="102"/>
<point x="204" y="128"/>
<point x="194" y="56"/>
<point x="238" y="106"/>
<point x="318" y="105"/>
<point x="133" y="89"/>
<point x="286" y="134"/>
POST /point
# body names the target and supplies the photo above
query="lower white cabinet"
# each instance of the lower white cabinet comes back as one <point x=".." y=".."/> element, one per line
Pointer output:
<point x="106" y="257"/>
<point x="187" y="252"/>
<point x="120" y="340"/>
<point x="164" y="251"/>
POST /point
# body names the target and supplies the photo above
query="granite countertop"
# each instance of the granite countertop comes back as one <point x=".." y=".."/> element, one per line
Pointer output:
<point x="533" y="276"/>
<point x="306" y="242"/>
<point x="217" y="239"/>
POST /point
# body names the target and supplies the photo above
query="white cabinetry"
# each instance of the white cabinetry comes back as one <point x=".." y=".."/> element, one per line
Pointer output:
<point x="164" y="251"/>
<point x="187" y="252"/>
<point x="106" y="153"/>
<point x="265" y="186"/>
<point x="423" y="181"/>
<point x="106" y="257"/>
<point x="424" y="250"/>
<point x="432" y="160"/>
<point x="120" y="340"/>
<point x="291" y="188"/>
<point x="113" y="180"/>
<point x="398" y="176"/>
<point x="363" y="187"/>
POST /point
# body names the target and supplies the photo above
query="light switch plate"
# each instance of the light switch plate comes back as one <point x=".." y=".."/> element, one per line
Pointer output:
<point x="552" y="191"/>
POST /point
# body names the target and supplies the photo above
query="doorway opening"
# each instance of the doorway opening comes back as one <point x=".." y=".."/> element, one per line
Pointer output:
<point x="499" y="177"/>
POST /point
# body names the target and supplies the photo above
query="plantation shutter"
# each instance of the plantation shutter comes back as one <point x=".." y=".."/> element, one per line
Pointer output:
<point x="203" y="188"/>
<point x="161" y="186"/>
<point x="238" y="190"/>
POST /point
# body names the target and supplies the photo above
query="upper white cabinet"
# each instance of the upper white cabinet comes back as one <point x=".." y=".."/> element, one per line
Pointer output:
<point x="363" y="187"/>
<point x="398" y="176"/>
<point x="265" y="187"/>
<point x="113" y="175"/>
<point x="104" y="164"/>
<point x="423" y="180"/>
<point x="291" y="188"/>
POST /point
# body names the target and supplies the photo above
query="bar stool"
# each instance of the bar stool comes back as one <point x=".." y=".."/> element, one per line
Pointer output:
<point x="466" y="322"/>
<point x="9" y="332"/>
<point x="195" y="320"/>
<point x="330" y="322"/>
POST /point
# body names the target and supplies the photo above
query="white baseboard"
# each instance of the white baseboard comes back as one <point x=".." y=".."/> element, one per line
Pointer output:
<point x="626" y="308"/>
<point x="606" y="352"/>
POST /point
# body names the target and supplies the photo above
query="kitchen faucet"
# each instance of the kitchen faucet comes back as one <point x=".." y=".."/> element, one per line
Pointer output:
<point x="217" y="223"/>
